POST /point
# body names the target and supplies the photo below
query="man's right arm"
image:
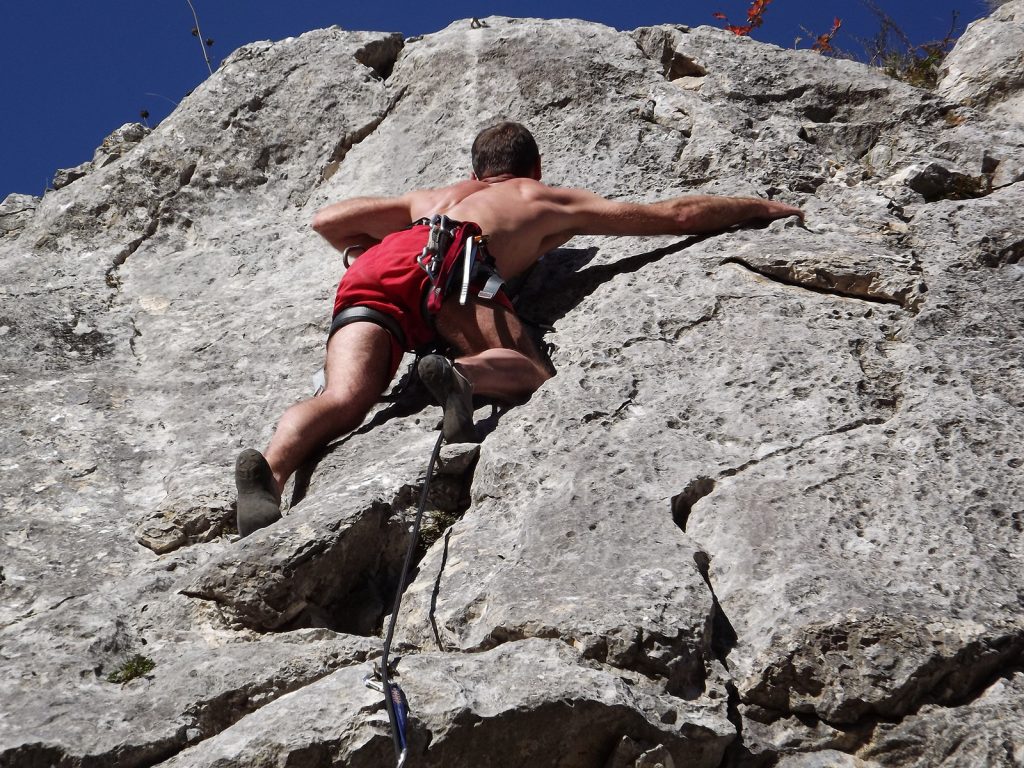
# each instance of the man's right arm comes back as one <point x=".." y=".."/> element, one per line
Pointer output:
<point x="362" y="221"/>
<point x="588" y="214"/>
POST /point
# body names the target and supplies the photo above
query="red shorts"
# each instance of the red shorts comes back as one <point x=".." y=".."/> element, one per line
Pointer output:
<point x="388" y="279"/>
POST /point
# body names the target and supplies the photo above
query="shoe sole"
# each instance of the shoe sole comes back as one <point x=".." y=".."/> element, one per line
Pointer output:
<point x="441" y="379"/>
<point x="257" y="505"/>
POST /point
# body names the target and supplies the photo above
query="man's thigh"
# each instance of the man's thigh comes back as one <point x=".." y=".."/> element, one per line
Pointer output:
<point x="482" y="325"/>
<point x="359" y="363"/>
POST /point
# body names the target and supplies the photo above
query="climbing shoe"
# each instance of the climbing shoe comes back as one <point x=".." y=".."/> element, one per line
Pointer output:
<point x="454" y="394"/>
<point x="258" y="506"/>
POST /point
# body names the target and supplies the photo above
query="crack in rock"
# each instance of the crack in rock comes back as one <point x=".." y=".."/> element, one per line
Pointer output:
<point x="609" y="418"/>
<point x="211" y="716"/>
<point x="675" y="336"/>
<point x="682" y="503"/>
<point x="857" y="424"/>
<point x="204" y="718"/>
<point x="184" y="179"/>
<point x="349" y="140"/>
<point x="772" y="734"/>
<point x="342" y="574"/>
<point x="381" y="55"/>
<point x="723" y="635"/>
<point x="821" y="281"/>
<point x="803" y="680"/>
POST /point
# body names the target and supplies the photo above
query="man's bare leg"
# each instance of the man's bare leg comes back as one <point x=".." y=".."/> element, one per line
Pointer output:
<point x="498" y="360"/>
<point x="496" y="354"/>
<point x="357" y="368"/>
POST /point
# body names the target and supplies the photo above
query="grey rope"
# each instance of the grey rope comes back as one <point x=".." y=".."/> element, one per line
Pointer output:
<point x="396" y="735"/>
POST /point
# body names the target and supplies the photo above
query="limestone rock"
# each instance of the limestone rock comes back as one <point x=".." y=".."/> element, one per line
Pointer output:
<point x="65" y="176"/>
<point x="15" y="211"/>
<point x="986" y="66"/>
<point x="119" y="143"/>
<point x="191" y="694"/>
<point x="767" y="513"/>
<point x="475" y="709"/>
<point x="825" y="759"/>
<point x="987" y="731"/>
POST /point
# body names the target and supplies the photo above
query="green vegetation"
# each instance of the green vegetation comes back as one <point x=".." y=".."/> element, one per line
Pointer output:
<point x="136" y="666"/>
<point x="436" y="522"/>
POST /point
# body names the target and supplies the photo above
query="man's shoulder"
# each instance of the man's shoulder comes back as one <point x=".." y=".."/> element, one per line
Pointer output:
<point x="531" y="189"/>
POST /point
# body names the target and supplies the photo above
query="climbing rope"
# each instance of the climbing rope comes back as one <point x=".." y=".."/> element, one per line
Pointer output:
<point x="394" y="697"/>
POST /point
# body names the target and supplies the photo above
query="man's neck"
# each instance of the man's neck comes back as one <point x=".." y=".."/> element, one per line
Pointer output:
<point x="497" y="179"/>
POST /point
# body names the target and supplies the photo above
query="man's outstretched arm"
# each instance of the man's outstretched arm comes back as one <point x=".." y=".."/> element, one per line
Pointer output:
<point x="590" y="214"/>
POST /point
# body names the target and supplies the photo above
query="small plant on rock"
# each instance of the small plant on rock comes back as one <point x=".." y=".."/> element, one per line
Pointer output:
<point x="136" y="666"/>
<point x="755" y="14"/>
<point x="436" y="523"/>
<point x="823" y="43"/>
<point x="891" y="50"/>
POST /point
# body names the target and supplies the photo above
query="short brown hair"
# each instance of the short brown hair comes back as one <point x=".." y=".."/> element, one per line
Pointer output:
<point x="504" y="148"/>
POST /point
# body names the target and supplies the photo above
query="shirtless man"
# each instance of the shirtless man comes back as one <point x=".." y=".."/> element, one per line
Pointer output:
<point x="522" y="220"/>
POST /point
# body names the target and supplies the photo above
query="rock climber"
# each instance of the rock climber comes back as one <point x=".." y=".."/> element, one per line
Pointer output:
<point x="379" y="308"/>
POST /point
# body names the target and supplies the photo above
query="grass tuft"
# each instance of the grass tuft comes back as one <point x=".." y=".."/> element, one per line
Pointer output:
<point x="136" y="666"/>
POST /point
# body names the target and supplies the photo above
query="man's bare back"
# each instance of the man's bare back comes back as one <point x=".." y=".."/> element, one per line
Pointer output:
<point x="514" y="213"/>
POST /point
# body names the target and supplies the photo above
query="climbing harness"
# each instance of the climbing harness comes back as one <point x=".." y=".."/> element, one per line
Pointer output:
<point x="380" y="679"/>
<point x="452" y="244"/>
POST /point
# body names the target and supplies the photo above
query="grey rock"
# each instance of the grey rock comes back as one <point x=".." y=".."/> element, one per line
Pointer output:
<point x="116" y="145"/>
<point x="768" y="511"/>
<point x="342" y="557"/>
<point x="472" y="709"/>
<point x="15" y="211"/>
<point x="65" y="176"/>
<point x="192" y="693"/>
<point x="986" y="731"/>
<point x="986" y="66"/>
<point x="196" y="508"/>
<point x="119" y="143"/>
<point x="825" y="759"/>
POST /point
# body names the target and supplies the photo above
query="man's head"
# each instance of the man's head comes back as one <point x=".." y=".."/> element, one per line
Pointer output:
<point x="505" y="148"/>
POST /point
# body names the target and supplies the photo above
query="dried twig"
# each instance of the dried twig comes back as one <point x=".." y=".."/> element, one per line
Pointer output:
<point x="197" y="33"/>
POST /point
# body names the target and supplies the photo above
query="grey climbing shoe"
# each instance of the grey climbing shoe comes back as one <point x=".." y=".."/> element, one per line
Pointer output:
<point x="258" y="506"/>
<point x="454" y="394"/>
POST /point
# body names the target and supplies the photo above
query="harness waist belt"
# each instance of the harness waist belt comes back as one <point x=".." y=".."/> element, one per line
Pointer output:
<point x="366" y="314"/>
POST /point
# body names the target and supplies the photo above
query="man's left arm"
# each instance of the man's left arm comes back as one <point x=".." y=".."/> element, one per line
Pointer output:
<point x="588" y="214"/>
<point x="362" y="221"/>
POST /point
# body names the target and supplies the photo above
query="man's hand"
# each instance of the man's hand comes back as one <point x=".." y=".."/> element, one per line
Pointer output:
<point x="776" y="210"/>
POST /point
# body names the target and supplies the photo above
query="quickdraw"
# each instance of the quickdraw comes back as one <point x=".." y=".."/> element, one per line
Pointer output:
<point x="450" y="244"/>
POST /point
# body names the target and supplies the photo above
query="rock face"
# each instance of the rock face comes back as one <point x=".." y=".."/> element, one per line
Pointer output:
<point x="987" y="67"/>
<point x="769" y="512"/>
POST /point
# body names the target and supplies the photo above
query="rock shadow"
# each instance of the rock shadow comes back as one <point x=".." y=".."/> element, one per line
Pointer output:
<point x="558" y="283"/>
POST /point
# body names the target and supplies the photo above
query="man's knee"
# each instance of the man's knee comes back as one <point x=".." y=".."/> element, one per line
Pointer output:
<point x="343" y="398"/>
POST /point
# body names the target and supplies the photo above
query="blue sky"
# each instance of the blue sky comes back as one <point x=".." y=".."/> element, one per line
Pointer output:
<point x="75" y="71"/>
